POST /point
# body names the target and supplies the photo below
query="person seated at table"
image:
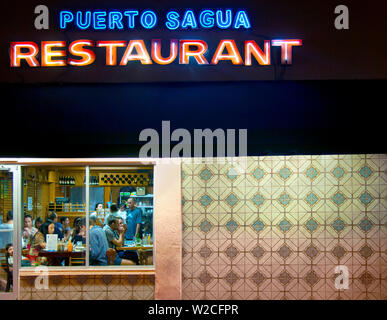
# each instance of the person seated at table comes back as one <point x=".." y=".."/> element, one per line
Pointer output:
<point x="58" y="227"/>
<point x="29" y="230"/>
<point x="99" y="246"/>
<point x="65" y="222"/>
<point x="67" y="235"/>
<point x="125" y="254"/>
<point x="75" y="222"/>
<point x="38" y="222"/>
<point x="74" y="229"/>
<point x="113" y="213"/>
<point x="80" y="232"/>
<point x="38" y="240"/>
<point x="114" y="236"/>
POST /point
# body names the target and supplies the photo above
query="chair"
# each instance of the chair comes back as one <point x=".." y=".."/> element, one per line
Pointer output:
<point x="77" y="261"/>
<point x="111" y="255"/>
<point x="145" y="256"/>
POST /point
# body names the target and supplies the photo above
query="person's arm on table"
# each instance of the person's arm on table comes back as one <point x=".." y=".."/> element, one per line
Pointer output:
<point x="121" y="237"/>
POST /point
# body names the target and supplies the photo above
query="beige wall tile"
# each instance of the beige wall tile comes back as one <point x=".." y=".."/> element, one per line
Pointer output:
<point x="322" y="176"/>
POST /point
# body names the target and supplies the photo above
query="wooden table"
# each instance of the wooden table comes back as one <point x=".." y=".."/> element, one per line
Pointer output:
<point x="143" y="248"/>
<point x="55" y="257"/>
<point x="144" y="253"/>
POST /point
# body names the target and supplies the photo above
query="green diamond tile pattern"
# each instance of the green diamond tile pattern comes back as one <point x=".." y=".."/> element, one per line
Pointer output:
<point x="276" y="227"/>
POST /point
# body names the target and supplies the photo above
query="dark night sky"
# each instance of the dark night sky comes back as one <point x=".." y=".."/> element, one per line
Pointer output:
<point x="282" y="117"/>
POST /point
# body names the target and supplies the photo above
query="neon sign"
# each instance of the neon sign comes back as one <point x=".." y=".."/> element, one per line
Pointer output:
<point x="83" y="52"/>
<point x="148" y="19"/>
<point x="186" y="49"/>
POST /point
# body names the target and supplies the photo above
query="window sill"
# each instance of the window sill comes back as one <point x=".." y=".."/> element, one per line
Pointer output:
<point x="69" y="271"/>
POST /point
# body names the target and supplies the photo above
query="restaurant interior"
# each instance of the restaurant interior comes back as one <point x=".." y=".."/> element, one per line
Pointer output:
<point x="63" y="190"/>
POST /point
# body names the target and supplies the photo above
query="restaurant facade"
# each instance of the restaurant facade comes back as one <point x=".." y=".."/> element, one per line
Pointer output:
<point x="290" y="201"/>
<point x="233" y="229"/>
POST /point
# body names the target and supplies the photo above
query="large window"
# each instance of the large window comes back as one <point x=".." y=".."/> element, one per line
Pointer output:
<point x="87" y="216"/>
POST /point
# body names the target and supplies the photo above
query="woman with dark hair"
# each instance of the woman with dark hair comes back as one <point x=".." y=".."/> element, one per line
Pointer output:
<point x="38" y="240"/>
<point x="29" y="230"/>
<point x="79" y="234"/>
<point x="75" y="228"/>
<point x="98" y="207"/>
<point x="76" y="220"/>
<point x="38" y="222"/>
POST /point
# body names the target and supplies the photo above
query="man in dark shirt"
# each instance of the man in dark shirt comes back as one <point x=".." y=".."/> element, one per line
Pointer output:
<point x="58" y="226"/>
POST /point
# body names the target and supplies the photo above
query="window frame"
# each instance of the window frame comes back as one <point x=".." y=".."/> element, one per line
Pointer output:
<point x="167" y="176"/>
<point x="16" y="206"/>
<point x="87" y="164"/>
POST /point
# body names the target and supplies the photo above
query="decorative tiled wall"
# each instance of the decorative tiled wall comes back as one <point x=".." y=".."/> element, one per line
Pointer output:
<point x="276" y="227"/>
<point x="89" y="287"/>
